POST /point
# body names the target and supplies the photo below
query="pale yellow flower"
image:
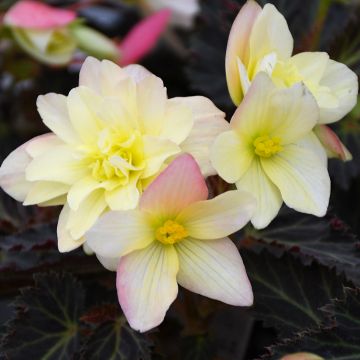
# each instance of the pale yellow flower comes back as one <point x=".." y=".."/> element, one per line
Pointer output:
<point x="260" y="41"/>
<point x="176" y="236"/>
<point x="272" y="152"/>
<point x="110" y="138"/>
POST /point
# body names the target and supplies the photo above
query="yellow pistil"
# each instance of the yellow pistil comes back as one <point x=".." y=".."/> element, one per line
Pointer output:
<point x="266" y="146"/>
<point x="170" y="232"/>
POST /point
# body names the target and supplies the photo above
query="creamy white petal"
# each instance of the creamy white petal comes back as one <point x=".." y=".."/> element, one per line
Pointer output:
<point x="146" y="285"/>
<point x="302" y="178"/>
<point x="84" y="218"/>
<point x="178" y="122"/>
<point x="214" y="269"/>
<point x="156" y="151"/>
<point x="268" y="196"/>
<point x="66" y="242"/>
<point x="270" y="33"/>
<point x="54" y="113"/>
<point x="83" y="105"/>
<point x="230" y="156"/>
<point x="43" y="191"/>
<point x="209" y="122"/>
<point x="12" y="170"/>
<point x="118" y="233"/>
<point x="151" y="102"/>
<point x="343" y="84"/>
<point x="218" y="217"/>
<point x="63" y="162"/>
<point x="124" y="197"/>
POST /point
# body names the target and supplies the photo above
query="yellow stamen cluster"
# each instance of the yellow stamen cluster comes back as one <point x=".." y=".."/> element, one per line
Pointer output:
<point x="170" y="232"/>
<point x="266" y="146"/>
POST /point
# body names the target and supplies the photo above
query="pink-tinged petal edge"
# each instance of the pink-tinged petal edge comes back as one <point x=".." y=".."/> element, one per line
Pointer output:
<point x="36" y="15"/>
<point x="237" y="46"/>
<point x="143" y="37"/>
<point x="332" y="144"/>
<point x="179" y="185"/>
<point x="146" y="285"/>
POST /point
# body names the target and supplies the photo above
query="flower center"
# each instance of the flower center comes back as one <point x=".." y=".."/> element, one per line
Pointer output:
<point x="170" y="232"/>
<point x="265" y="146"/>
<point x="114" y="158"/>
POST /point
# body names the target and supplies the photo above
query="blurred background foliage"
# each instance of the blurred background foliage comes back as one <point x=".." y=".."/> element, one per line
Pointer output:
<point x="304" y="270"/>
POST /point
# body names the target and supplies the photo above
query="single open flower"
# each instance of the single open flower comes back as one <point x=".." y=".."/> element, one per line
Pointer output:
<point x="272" y="152"/>
<point x="111" y="136"/>
<point x="42" y="31"/>
<point x="176" y="236"/>
<point x="260" y="41"/>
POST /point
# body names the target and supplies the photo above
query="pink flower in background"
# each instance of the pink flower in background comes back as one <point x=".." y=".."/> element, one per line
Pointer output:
<point x="51" y="36"/>
<point x="42" y="31"/>
<point x="35" y="15"/>
<point x="143" y="37"/>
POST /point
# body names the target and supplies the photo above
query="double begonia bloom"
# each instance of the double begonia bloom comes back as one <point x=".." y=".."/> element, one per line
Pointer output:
<point x="111" y="136"/>
<point x="272" y="152"/>
<point x="176" y="236"/>
<point x="42" y="31"/>
<point x="260" y="41"/>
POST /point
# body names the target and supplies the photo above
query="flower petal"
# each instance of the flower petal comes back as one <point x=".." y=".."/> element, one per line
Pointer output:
<point x="143" y="37"/>
<point x="83" y="105"/>
<point x="343" y="84"/>
<point x="270" y="33"/>
<point x="137" y="72"/>
<point x="151" y="103"/>
<point x="268" y="196"/>
<point x="156" y="151"/>
<point x="12" y="170"/>
<point x="218" y="217"/>
<point x="332" y="144"/>
<point x="108" y="263"/>
<point x="238" y="47"/>
<point x="292" y="113"/>
<point x="118" y="233"/>
<point x="84" y="218"/>
<point x="35" y="15"/>
<point x="146" y="285"/>
<point x="68" y="169"/>
<point x="230" y="157"/>
<point x="124" y="197"/>
<point x="214" y="269"/>
<point x="301" y="177"/>
<point x="249" y="117"/>
<point x="311" y="65"/>
<point x="65" y="241"/>
<point x="103" y="77"/>
<point x="178" y="122"/>
<point x="54" y="113"/>
<point x="179" y="185"/>
<point x="43" y="191"/>
<point x="81" y="190"/>
<point x="209" y="122"/>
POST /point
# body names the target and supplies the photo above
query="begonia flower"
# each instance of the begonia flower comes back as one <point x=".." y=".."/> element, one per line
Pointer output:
<point x="272" y="152"/>
<point x="260" y="41"/>
<point x="42" y="31"/>
<point x="176" y="236"/>
<point x="111" y="136"/>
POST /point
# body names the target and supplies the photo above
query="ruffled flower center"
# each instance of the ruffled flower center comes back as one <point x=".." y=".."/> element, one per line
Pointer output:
<point x="115" y="158"/>
<point x="170" y="232"/>
<point x="265" y="146"/>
